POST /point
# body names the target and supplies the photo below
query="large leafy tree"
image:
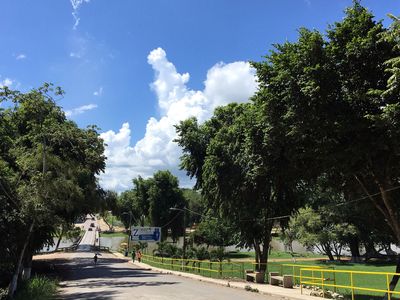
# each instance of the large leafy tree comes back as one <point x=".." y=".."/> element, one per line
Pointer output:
<point x="164" y="193"/>
<point x="47" y="174"/>
<point x="242" y="171"/>
<point x="336" y="99"/>
<point x="150" y="200"/>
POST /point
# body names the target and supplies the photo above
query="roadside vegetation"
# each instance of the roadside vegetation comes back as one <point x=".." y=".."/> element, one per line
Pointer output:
<point x="38" y="288"/>
<point x="48" y="177"/>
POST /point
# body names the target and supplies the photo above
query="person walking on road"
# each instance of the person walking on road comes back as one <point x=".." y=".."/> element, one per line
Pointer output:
<point x="139" y="255"/>
<point x="95" y="258"/>
<point x="133" y="256"/>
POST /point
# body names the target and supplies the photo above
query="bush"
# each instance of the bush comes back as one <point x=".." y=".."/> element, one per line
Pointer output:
<point x="167" y="250"/>
<point x="37" y="288"/>
<point x="202" y="253"/>
<point x="217" y="254"/>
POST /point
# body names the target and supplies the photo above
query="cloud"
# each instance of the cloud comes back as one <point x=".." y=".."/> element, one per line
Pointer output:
<point x="75" y="55"/>
<point x="20" y="56"/>
<point x="76" y="4"/>
<point x="99" y="92"/>
<point x="156" y="150"/>
<point x="80" y="46"/>
<point x="6" y="82"/>
<point x="80" y="110"/>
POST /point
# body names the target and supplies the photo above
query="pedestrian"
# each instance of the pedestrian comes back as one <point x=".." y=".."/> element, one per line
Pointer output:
<point x="139" y="255"/>
<point x="133" y="256"/>
<point x="95" y="258"/>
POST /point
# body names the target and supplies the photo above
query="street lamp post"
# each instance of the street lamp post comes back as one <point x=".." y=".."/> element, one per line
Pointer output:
<point x="129" y="235"/>
<point x="184" y="229"/>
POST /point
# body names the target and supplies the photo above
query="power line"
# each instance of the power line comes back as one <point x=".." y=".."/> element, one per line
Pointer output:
<point x="169" y="222"/>
<point x="332" y="205"/>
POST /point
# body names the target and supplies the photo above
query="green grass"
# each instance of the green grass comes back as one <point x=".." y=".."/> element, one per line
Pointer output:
<point x="37" y="288"/>
<point x="372" y="281"/>
<point x="235" y="269"/>
<point x="113" y="234"/>
<point x="274" y="255"/>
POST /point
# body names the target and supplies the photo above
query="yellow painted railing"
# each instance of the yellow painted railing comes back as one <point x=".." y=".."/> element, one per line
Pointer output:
<point x="325" y="282"/>
<point x="220" y="268"/>
<point x="223" y="269"/>
<point x="294" y="269"/>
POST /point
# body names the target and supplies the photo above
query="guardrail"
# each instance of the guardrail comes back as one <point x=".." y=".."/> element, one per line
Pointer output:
<point x="296" y="270"/>
<point x="223" y="269"/>
<point x="202" y="267"/>
<point x="348" y="281"/>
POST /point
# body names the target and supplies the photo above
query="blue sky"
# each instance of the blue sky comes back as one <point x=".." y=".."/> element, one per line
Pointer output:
<point x="134" y="68"/>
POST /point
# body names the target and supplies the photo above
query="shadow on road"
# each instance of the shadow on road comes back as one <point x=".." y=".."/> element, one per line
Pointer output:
<point x="100" y="295"/>
<point x="80" y="275"/>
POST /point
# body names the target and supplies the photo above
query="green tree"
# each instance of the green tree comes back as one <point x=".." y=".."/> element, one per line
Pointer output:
<point x="214" y="232"/>
<point x="48" y="171"/>
<point x="243" y="172"/>
<point x="196" y="206"/>
<point x="335" y="100"/>
<point x="318" y="229"/>
<point x="164" y="193"/>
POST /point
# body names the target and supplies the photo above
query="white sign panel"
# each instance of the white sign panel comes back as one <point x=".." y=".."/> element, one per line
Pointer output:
<point x="146" y="234"/>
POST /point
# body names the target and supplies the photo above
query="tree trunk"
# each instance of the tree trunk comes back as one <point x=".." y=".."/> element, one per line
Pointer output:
<point x="258" y="254"/>
<point x="264" y="258"/>
<point x="394" y="280"/>
<point x="354" y="245"/>
<point x="109" y="226"/>
<point x="13" y="284"/>
<point x="60" y="237"/>
<point x="263" y="264"/>
<point x="328" y="251"/>
<point x="26" y="273"/>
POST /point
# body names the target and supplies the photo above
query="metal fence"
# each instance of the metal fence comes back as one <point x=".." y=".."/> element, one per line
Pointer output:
<point x="349" y="282"/>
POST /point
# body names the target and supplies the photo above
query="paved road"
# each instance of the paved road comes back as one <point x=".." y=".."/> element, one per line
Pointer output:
<point x="89" y="238"/>
<point x="115" y="278"/>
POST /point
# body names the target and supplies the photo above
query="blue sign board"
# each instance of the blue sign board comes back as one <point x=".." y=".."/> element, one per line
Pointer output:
<point x="147" y="234"/>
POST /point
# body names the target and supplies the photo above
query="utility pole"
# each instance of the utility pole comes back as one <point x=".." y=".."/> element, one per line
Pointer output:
<point x="184" y="209"/>
<point x="129" y="231"/>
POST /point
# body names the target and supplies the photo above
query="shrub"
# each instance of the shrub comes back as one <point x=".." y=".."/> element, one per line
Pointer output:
<point x="217" y="254"/>
<point x="167" y="250"/>
<point x="191" y="253"/>
<point x="37" y="288"/>
<point x="202" y="253"/>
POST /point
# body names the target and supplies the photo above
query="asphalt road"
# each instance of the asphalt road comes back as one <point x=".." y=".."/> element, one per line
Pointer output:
<point x="115" y="278"/>
<point x="89" y="238"/>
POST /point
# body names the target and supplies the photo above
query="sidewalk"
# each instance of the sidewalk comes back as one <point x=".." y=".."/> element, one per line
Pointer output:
<point x="265" y="289"/>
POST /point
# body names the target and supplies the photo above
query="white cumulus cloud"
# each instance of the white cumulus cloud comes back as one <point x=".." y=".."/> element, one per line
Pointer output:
<point x="80" y="110"/>
<point x="225" y="83"/>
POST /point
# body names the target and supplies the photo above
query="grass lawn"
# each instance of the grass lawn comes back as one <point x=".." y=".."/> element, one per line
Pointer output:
<point x="113" y="234"/>
<point x="235" y="269"/>
<point x="364" y="281"/>
<point x="244" y="255"/>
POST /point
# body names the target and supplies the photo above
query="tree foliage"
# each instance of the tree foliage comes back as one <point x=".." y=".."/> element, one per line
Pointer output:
<point x="48" y="169"/>
<point x="149" y="203"/>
